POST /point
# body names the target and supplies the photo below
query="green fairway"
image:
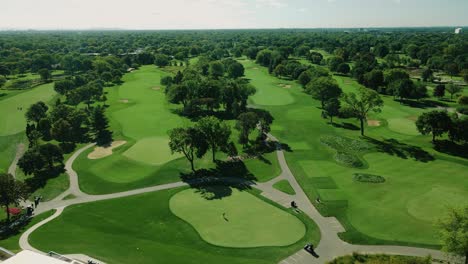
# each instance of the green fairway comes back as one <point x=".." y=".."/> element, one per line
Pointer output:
<point x="142" y="229"/>
<point x="239" y="221"/>
<point x="269" y="90"/>
<point x="139" y="113"/>
<point x="153" y="151"/>
<point x="284" y="186"/>
<point x="15" y="122"/>
<point x="397" y="207"/>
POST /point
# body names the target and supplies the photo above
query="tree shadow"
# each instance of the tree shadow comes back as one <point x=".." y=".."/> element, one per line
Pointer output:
<point x="16" y="225"/>
<point x="217" y="183"/>
<point x="40" y="179"/>
<point x="285" y="147"/>
<point x="451" y="148"/>
<point x="345" y="125"/>
<point x="395" y="148"/>
<point x="422" y="103"/>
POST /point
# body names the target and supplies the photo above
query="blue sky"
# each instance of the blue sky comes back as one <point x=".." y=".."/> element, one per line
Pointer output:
<point x="207" y="14"/>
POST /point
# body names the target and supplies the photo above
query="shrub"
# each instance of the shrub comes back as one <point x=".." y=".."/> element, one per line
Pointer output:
<point x="349" y="160"/>
<point x="344" y="144"/>
<point x="463" y="100"/>
<point x="463" y="110"/>
<point x="369" y="178"/>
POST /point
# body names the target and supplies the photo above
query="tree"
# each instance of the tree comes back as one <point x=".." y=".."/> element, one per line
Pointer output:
<point x="4" y="71"/>
<point x="323" y="89"/>
<point x="454" y="232"/>
<point x="315" y="57"/>
<point x="61" y="131"/>
<point x="343" y="68"/>
<point x="435" y="122"/>
<point x="45" y="74"/>
<point x="458" y="130"/>
<point x="3" y="80"/>
<point x="464" y="74"/>
<point x="451" y="69"/>
<point x="427" y="75"/>
<point x="36" y="112"/>
<point x="215" y="132"/>
<point x="100" y="127"/>
<point x="189" y="142"/>
<point x="280" y="70"/>
<point x="439" y="91"/>
<point x="368" y="100"/>
<point x="42" y="161"/>
<point x="161" y="60"/>
<point x="64" y="86"/>
<point x="332" y="108"/>
<point x="374" y="79"/>
<point x="235" y="70"/>
<point x="11" y="192"/>
<point x="246" y="123"/>
<point x="453" y="89"/>
<point x="463" y="100"/>
<point x="216" y="69"/>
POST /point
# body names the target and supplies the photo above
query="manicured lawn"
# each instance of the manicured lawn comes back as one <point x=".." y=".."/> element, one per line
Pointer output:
<point x="142" y="229"/>
<point x="152" y="150"/>
<point x="285" y="187"/>
<point x="392" y="212"/>
<point x="240" y="220"/>
<point x="14" y="122"/>
<point x="12" y="243"/>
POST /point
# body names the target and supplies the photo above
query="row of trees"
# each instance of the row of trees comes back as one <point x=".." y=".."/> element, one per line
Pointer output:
<point x="439" y="123"/>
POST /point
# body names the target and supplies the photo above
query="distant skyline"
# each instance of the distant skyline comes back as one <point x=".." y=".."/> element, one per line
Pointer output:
<point x="230" y="14"/>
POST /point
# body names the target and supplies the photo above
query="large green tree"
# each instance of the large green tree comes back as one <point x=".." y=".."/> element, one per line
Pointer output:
<point x="188" y="141"/>
<point x="323" y="89"/>
<point x="367" y="101"/>
<point x="100" y="127"/>
<point x="246" y="123"/>
<point x="216" y="134"/>
<point x="434" y="122"/>
<point x="454" y="232"/>
<point x="36" y="112"/>
<point x="11" y="192"/>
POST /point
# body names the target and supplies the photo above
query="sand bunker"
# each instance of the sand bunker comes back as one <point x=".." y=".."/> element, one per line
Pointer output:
<point x="101" y="152"/>
<point x="125" y="101"/>
<point x="255" y="68"/>
<point x="156" y="88"/>
<point x="286" y="86"/>
<point x="373" y="123"/>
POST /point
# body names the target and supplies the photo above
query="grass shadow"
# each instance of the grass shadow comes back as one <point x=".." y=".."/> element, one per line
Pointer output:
<point x="395" y="148"/>
<point x="422" y="103"/>
<point x="345" y="125"/>
<point x="218" y="182"/>
<point x="451" y="148"/>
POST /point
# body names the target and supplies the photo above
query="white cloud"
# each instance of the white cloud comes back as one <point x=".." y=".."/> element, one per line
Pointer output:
<point x="271" y="3"/>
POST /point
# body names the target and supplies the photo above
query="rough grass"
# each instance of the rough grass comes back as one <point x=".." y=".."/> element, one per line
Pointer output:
<point x="368" y="178"/>
<point x="380" y="259"/>
<point x="146" y="230"/>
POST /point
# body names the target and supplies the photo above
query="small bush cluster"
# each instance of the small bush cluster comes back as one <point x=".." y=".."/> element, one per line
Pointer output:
<point x="349" y="160"/>
<point x="345" y="144"/>
<point x="380" y="259"/>
<point x="369" y="178"/>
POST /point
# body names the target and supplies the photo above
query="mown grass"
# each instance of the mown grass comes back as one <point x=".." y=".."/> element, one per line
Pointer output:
<point x="141" y="229"/>
<point x="285" y="187"/>
<point x="407" y="160"/>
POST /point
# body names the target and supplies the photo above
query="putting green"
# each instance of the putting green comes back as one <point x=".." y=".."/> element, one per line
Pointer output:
<point x="435" y="203"/>
<point x="240" y="220"/>
<point x="153" y="150"/>
<point x="403" y="125"/>
<point x="13" y="121"/>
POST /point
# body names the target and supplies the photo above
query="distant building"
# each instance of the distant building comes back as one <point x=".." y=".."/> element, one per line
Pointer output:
<point x="458" y="30"/>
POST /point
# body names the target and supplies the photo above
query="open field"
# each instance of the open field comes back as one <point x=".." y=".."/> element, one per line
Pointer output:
<point x="395" y="151"/>
<point x="146" y="229"/>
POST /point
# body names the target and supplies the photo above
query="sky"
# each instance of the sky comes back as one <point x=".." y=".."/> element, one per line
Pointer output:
<point x="221" y="14"/>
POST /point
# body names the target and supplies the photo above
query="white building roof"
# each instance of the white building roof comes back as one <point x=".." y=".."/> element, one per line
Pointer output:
<point x="29" y="257"/>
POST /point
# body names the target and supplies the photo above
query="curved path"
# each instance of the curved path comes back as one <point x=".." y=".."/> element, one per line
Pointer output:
<point x="330" y="246"/>
<point x="20" y="149"/>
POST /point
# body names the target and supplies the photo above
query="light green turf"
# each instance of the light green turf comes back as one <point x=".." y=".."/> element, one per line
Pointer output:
<point x="153" y="151"/>
<point x="142" y="229"/>
<point x="240" y="220"/>
<point x="435" y="203"/>
<point x="284" y="186"/>
<point x="12" y="121"/>
<point x="270" y="93"/>
<point x="403" y="125"/>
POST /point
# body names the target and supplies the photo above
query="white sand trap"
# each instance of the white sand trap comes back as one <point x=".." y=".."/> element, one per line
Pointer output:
<point x="373" y="123"/>
<point x="156" y="88"/>
<point x="286" y="86"/>
<point x="101" y="152"/>
<point x="255" y="68"/>
<point x="125" y="101"/>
